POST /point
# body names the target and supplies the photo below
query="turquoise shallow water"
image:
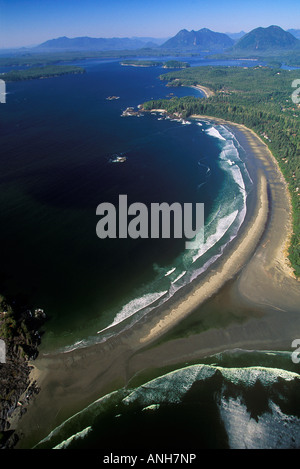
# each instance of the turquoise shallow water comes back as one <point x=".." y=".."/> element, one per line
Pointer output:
<point x="58" y="138"/>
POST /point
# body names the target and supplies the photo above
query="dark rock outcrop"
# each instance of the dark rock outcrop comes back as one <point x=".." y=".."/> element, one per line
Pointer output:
<point x="19" y="329"/>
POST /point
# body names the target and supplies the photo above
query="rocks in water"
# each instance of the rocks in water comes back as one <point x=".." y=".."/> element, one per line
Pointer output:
<point x="19" y="329"/>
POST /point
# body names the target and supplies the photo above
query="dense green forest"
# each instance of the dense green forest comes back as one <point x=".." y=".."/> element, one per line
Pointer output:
<point x="261" y="99"/>
<point x="176" y="64"/>
<point x="40" y="72"/>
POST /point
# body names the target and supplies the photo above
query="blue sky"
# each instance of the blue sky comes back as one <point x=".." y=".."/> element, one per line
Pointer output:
<point x="28" y="22"/>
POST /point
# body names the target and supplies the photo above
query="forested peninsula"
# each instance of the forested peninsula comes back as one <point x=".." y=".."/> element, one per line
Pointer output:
<point x="259" y="98"/>
<point x="47" y="71"/>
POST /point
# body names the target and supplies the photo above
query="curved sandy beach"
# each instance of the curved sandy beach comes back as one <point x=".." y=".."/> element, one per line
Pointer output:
<point x="206" y="91"/>
<point x="261" y="288"/>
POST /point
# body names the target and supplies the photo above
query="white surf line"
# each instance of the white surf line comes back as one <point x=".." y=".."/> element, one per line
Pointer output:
<point x="170" y="272"/>
<point x="179" y="276"/>
<point x="137" y="305"/>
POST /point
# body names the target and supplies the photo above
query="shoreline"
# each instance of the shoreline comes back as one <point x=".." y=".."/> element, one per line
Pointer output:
<point x="206" y="91"/>
<point x="73" y="380"/>
<point x="242" y="128"/>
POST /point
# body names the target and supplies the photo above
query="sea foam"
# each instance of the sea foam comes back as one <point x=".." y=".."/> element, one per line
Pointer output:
<point x="134" y="306"/>
<point x="213" y="132"/>
<point x="170" y="272"/>
<point x="222" y="227"/>
<point x="179" y="276"/>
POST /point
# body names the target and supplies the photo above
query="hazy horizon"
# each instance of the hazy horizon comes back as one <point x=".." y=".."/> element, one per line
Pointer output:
<point x="32" y="22"/>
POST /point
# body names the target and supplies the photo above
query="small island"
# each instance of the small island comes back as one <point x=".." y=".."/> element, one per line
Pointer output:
<point x="176" y="64"/>
<point x="48" y="71"/>
<point x="142" y="63"/>
<point x="118" y="159"/>
<point x="154" y="63"/>
<point x="130" y="112"/>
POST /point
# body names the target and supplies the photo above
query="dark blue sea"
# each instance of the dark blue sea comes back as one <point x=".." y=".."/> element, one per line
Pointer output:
<point x="59" y="138"/>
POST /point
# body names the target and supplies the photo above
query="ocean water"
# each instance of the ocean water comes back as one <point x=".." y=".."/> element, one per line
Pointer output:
<point x="226" y="402"/>
<point x="58" y="139"/>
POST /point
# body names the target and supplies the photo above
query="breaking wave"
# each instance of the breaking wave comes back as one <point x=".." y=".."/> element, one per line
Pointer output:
<point x="136" y="305"/>
<point x="220" y="404"/>
<point x="213" y="132"/>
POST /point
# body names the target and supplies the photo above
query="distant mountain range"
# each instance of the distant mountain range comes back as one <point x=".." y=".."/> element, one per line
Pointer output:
<point x="90" y="43"/>
<point x="295" y="32"/>
<point x="259" y="41"/>
<point x="204" y="39"/>
<point x="236" y="36"/>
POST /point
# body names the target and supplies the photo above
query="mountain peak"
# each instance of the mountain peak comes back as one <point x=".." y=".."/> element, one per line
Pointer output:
<point x="267" y="39"/>
<point x="204" y="39"/>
